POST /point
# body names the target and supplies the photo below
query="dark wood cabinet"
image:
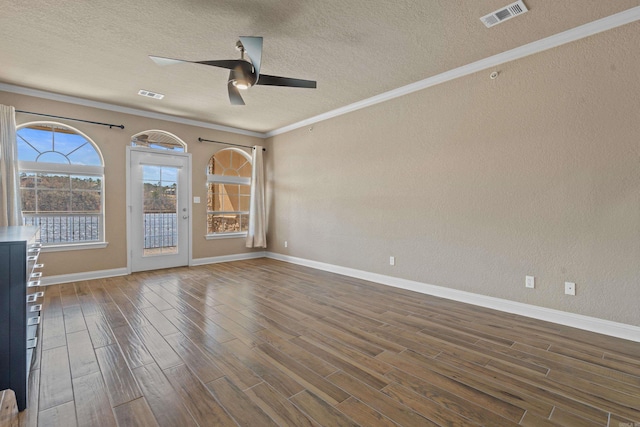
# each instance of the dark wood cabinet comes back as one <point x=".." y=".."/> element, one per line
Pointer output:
<point x="20" y="305"/>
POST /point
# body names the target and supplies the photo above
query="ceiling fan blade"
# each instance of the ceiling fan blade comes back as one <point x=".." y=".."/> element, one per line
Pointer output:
<point x="229" y="64"/>
<point x="234" y="94"/>
<point x="253" y="47"/>
<point x="267" y="80"/>
<point x="166" y="61"/>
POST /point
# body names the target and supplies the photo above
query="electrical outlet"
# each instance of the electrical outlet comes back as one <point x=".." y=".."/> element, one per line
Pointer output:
<point x="286" y="244"/>
<point x="530" y="282"/>
<point x="392" y="260"/>
<point x="569" y="288"/>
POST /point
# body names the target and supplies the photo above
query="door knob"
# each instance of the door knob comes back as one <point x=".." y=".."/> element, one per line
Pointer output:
<point x="185" y="216"/>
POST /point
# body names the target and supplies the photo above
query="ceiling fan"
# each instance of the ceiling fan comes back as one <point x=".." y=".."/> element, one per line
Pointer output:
<point x="243" y="74"/>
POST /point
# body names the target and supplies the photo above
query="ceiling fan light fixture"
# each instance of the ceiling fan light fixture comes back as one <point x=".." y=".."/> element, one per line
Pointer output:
<point x="241" y="84"/>
<point x="243" y="74"/>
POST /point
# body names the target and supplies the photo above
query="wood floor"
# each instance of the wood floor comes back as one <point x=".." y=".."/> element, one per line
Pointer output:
<point x="265" y="343"/>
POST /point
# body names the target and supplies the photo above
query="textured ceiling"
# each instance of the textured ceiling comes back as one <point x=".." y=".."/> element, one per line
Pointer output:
<point x="355" y="49"/>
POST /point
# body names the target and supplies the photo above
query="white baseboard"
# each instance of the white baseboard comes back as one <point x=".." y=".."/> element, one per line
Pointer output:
<point x="227" y="258"/>
<point x="102" y="274"/>
<point x="88" y="275"/>
<point x="593" y="324"/>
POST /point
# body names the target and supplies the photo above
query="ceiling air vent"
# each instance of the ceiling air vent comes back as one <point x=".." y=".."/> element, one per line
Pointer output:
<point x="150" y="94"/>
<point x="501" y="15"/>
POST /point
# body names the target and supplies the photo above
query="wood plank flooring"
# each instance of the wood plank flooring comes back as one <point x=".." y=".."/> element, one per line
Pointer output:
<point x="266" y="343"/>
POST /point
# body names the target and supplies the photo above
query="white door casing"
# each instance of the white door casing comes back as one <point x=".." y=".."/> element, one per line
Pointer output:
<point x="158" y="214"/>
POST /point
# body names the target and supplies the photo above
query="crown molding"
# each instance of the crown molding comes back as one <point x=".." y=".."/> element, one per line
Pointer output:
<point x="613" y="21"/>
<point x="126" y="110"/>
<point x="616" y="20"/>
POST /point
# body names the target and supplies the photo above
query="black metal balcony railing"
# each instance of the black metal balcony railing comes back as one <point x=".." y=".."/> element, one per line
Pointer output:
<point x="66" y="228"/>
<point x="160" y="229"/>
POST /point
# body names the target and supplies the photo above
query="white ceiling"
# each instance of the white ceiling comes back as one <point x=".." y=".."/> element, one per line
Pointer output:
<point x="355" y="49"/>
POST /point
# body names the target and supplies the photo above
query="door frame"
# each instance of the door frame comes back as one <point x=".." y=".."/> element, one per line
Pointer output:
<point x="129" y="206"/>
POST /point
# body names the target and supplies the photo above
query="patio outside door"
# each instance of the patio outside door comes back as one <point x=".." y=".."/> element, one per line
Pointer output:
<point x="159" y="197"/>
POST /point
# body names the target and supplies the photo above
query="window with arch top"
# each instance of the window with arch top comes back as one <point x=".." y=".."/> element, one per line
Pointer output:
<point x="158" y="140"/>
<point x="61" y="184"/>
<point x="229" y="193"/>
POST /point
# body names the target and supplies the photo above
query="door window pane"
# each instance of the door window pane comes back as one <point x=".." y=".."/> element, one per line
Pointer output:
<point x="160" y="210"/>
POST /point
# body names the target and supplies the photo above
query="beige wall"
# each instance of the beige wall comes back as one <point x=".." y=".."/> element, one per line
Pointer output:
<point x="475" y="183"/>
<point x="471" y="185"/>
<point x="112" y="143"/>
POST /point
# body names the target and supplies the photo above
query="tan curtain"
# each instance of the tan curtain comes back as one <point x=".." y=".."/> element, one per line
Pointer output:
<point x="10" y="206"/>
<point x="257" y="235"/>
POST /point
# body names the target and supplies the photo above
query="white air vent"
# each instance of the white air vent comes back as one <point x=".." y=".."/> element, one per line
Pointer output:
<point x="150" y="94"/>
<point x="501" y="15"/>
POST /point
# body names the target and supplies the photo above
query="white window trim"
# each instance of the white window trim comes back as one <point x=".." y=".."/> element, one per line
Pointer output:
<point x="65" y="168"/>
<point x="74" y="246"/>
<point x="226" y="179"/>
<point x="229" y="179"/>
<point x="71" y="169"/>
<point x="101" y="231"/>
<point x="230" y="235"/>
<point x="163" y="150"/>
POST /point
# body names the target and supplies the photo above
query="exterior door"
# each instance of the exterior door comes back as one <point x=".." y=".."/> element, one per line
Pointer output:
<point x="159" y="209"/>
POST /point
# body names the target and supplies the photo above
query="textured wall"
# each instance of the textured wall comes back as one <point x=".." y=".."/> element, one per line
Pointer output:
<point x="475" y="183"/>
<point x="112" y="143"/>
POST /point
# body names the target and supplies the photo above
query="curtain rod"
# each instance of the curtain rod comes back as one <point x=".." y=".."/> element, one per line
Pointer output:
<point x="68" y="118"/>
<point x="226" y="143"/>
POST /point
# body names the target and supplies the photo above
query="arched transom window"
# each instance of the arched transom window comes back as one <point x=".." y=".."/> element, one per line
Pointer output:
<point x="159" y="140"/>
<point x="229" y="185"/>
<point x="61" y="183"/>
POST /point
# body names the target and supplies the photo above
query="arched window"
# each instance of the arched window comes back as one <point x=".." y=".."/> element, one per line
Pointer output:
<point x="61" y="183"/>
<point x="159" y="140"/>
<point x="229" y="195"/>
